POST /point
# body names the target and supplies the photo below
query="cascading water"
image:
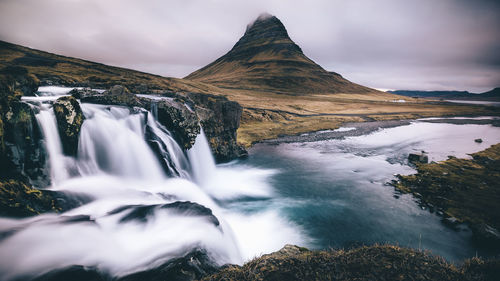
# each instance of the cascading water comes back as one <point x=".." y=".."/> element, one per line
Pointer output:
<point x="145" y="208"/>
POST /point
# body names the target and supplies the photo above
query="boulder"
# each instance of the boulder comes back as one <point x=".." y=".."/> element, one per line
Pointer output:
<point x="180" y="121"/>
<point x="69" y="118"/>
<point x="478" y="140"/>
<point x="193" y="266"/>
<point x="418" y="158"/>
<point x="142" y="213"/>
<point x="117" y="95"/>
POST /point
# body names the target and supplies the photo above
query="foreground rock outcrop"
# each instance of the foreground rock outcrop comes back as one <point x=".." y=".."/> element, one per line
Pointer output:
<point x="364" y="263"/>
<point x="296" y="263"/>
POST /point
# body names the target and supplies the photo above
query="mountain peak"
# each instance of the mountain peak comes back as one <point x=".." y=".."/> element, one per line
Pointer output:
<point x="266" y="59"/>
<point x="265" y="29"/>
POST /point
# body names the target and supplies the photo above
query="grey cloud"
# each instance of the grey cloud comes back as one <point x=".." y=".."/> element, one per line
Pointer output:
<point x="415" y="44"/>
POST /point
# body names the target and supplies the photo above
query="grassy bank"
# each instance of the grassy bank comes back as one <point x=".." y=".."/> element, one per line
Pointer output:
<point x="365" y="263"/>
<point x="465" y="189"/>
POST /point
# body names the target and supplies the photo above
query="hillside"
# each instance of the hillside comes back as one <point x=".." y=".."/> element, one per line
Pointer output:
<point x="52" y="69"/>
<point x="266" y="59"/>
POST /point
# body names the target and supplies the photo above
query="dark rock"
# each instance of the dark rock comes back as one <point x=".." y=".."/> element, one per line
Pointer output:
<point x="478" y="140"/>
<point x="118" y="90"/>
<point x="16" y="79"/>
<point x="22" y="153"/>
<point x="73" y="273"/>
<point x="220" y="119"/>
<point x="192" y="266"/>
<point x="69" y="118"/>
<point x="486" y="232"/>
<point x="418" y="158"/>
<point x="179" y="120"/>
<point x="83" y="93"/>
<point x="17" y="199"/>
<point x="142" y="213"/>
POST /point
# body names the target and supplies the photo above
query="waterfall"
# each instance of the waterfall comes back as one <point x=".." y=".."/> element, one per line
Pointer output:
<point x="57" y="161"/>
<point x="150" y="200"/>
<point x="112" y="141"/>
<point x="201" y="159"/>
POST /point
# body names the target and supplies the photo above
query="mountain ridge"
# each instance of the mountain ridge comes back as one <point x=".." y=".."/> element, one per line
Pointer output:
<point x="492" y="95"/>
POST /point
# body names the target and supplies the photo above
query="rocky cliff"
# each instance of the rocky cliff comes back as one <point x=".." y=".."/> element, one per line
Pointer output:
<point x="22" y="153"/>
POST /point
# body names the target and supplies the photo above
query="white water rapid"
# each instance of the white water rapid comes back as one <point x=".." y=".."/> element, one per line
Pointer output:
<point x="134" y="221"/>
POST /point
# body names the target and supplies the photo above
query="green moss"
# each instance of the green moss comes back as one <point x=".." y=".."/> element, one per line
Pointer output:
<point x="20" y="200"/>
<point x="465" y="189"/>
<point x="23" y="116"/>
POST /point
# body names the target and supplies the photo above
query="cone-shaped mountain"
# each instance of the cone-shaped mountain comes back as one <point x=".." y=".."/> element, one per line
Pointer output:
<point x="266" y="59"/>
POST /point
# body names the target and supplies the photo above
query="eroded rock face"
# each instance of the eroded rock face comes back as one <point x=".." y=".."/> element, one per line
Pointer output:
<point x="179" y="120"/>
<point x="220" y="119"/>
<point x="22" y="153"/>
<point x="69" y="118"/>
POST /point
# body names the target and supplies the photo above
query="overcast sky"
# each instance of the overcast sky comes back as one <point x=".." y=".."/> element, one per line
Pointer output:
<point x="385" y="44"/>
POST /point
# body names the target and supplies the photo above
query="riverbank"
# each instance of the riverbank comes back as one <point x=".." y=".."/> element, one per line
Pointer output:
<point x="268" y="116"/>
<point x="378" y="262"/>
<point x="354" y="129"/>
<point x="461" y="190"/>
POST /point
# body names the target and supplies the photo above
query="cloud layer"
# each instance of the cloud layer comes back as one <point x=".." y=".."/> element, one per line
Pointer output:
<point x="391" y="44"/>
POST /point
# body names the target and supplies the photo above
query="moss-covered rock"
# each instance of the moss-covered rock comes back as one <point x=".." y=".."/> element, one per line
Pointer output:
<point x="465" y="189"/>
<point x="69" y="118"/>
<point x="22" y="153"/>
<point x="20" y="200"/>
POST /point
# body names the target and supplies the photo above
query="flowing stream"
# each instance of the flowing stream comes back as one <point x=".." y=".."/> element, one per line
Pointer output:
<point x="317" y="194"/>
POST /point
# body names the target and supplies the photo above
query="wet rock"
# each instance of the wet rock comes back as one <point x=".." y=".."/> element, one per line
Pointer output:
<point x="18" y="199"/>
<point x="179" y="120"/>
<point x="117" y="95"/>
<point x="69" y="118"/>
<point x="220" y="119"/>
<point x="73" y="273"/>
<point x="142" y="213"/>
<point x="22" y="152"/>
<point x="478" y="140"/>
<point x="487" y="232"/>
<point x="418" y="158"/>
<point x="192" y="266"/>
<point x="83" y="93"/>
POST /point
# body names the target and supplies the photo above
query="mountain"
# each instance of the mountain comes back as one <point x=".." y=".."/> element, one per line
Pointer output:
<point x="53" y="69"/>
<point x="493" y="95"/>
<point x="266" y="59"/>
